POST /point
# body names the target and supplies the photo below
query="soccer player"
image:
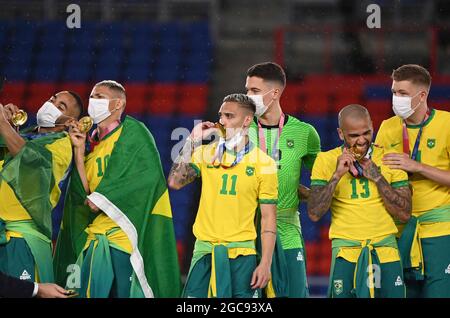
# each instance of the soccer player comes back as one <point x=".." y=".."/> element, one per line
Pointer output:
<point x="117" y="223"/>
<point x="292" y="144"/>
<point x="236" y="178"/>
<point x="365" y="198"/>
<point x="33" y="165"/>
<point x="421" y="137"/>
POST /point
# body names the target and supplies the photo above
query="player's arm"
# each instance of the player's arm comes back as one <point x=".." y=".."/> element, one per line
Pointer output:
<point x="261" y="275"/>
<point x="320" y="197"/>
<point x="13" y="141"/>
<point x="303" y="192"/>
<point x="182" y="173"/>
<point x="398" y="201"/>
<point x="78" y="140"/>
<point x="404" y="162"/>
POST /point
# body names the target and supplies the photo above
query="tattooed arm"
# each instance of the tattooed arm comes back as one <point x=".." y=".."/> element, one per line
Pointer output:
<point x="397" y="201"/>
<point x="182" y="172"/>
<point x="320" y="197"/>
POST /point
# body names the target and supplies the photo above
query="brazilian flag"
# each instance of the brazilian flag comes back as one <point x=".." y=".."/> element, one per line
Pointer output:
<point x="30" y="174"/>
<point x="133" y="193"/>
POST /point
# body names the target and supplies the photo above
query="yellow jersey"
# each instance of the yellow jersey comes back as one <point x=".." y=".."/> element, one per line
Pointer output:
<point x="357" y="209"/>
<point x="230" y="196"/>
<point x="434" y="150"/>
<point x="96" y="164"/>
<point x="10" y="207"/>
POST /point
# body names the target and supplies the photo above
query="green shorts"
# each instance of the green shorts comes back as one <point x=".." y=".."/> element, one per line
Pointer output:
<point x="295" y="261"/>
<point x="436" y="254"/>
<point x="390" y="284"/>
<point x="294" y="253"/>
<point x="242" y="268"/>
<point x="16" y="260"/>
<point x="120" y="285"/>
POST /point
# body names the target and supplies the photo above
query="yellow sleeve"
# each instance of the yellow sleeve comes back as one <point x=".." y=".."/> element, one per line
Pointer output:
<point x="322" y="171"/>
<point x="268" y="183"/>
<point x="380" y="140"/>
<point x="197" y="159"/>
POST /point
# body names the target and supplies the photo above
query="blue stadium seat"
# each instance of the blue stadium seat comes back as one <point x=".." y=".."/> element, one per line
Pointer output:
<point x="47" y="73"/>
<point x="77" y="73"/>
<point x="136" y="73"/>
<point x="15" y="72"/>
<point x="82" y="57"/>
<point x="440" y="92"/>
<point x="110" y="72"/>
<point x="140" y="57"/>
<point x="165" y="75"/>
<point x="378" y="92"/>
<point x="192" y="75"/>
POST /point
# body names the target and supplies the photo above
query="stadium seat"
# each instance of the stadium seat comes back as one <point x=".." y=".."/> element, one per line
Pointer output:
<point x="12" y="93"/>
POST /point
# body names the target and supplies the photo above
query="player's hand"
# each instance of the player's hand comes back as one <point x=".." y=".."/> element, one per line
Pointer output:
<point x="77" y="138"/>
<point x="4" y="115"/>
<point x="370" y="170"/>
<point x="10" y="110"/>
<point x="261" y="276"/>
<point x="303" y="192"/>
<point x="344" y="163"/>
<point x="51" y="291"/>
<point x="401" y="161"/>
<point x="92" y="206"/>
<point x="202" y="131"/>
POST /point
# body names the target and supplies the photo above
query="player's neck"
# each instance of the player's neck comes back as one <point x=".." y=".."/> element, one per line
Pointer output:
<point x="272" y="116"/>
<point x="107" y="125"/>
<point x="418" y="116"/>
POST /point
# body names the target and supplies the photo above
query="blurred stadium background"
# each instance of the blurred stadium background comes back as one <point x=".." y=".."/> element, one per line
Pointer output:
<point x="178" y="58"/>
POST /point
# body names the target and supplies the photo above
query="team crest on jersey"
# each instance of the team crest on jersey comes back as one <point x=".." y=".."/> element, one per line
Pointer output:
<point x="338" y="286"/>
<point x="290" y="143"/>
<point x="250" y="171"/>
<point x="431" y="143"/>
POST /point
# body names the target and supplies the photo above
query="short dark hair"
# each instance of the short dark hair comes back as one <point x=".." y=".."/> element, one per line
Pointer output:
<point x="78" y="103"/>
<point x="414" y="73"/>
<point x="355" y="111"/>
<point x="268" y="71"/>
<point x="243" y="101"/>
<point x="113" y="85"/>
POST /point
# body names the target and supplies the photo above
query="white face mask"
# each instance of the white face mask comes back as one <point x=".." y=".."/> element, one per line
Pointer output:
<point x="47" y="115"/>
<point x="401" y="105"/>
<point x="98" y="109"/>
<point x="231" y="143"/>
<point x="259" y="102"/>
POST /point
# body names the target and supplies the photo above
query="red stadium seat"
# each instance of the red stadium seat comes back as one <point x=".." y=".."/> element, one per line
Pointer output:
<point x="192" y="99"/>
<point x="137" y="96"/>
<point x="38" y="93"/>
<point x="292" y="98"/>
<point x="163" y="99"/>
<point x="13" y="93"/>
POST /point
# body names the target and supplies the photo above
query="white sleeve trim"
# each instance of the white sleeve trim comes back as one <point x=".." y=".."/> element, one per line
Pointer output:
<point x="137" y="262"/>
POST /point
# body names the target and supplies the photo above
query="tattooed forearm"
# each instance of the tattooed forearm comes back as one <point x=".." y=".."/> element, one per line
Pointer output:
<point x="182" y="172"/>
<point x="180" y="175"/>
<point x="319" y="200"/>
<point x="397" y="201"/>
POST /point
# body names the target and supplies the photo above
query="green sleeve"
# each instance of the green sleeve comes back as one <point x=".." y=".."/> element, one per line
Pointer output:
<point x="313" y="148"/>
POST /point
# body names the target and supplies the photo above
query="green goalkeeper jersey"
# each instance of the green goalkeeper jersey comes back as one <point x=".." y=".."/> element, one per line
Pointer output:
<point x="297" y="146"/>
